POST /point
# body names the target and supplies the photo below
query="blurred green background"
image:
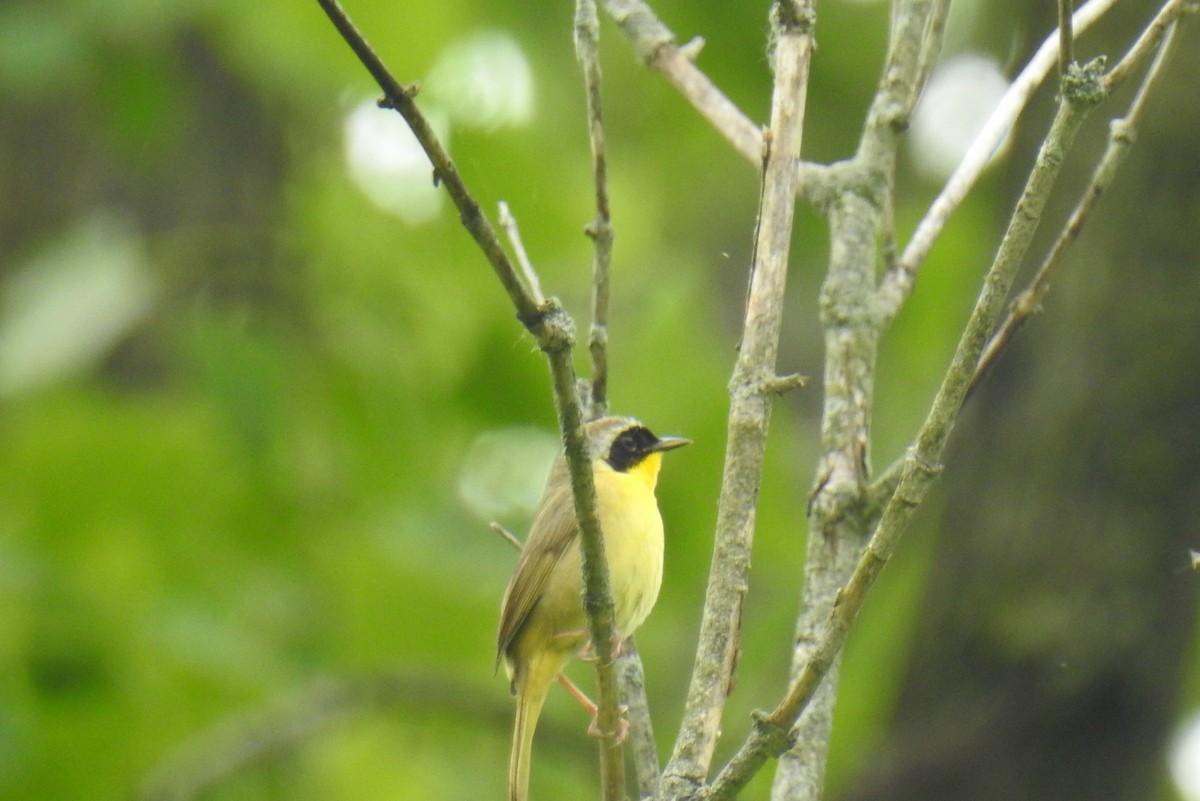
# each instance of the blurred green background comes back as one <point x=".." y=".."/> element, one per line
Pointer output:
<point x="259" y="401"/>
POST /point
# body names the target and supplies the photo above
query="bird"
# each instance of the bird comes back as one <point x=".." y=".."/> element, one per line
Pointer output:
<point x="542" y="621"/>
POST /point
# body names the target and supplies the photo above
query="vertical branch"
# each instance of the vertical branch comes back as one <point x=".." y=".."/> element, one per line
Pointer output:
<point x="750" y="405"/>
<point x="1066" y="37"/>
<point x="587" y="37"/>
<point x="931" y="49"/>
<point x="642" y="746"/>
<point x="774" y="732"/>
<point x="597" y="594"/>
<point x="838" y="523"/>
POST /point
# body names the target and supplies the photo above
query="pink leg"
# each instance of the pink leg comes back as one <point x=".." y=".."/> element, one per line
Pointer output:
<point x="578" y="695"/>
<point x="594" y="729"/>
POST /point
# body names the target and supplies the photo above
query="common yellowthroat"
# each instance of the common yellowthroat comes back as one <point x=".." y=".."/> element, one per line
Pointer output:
<point x="542" y="621"/>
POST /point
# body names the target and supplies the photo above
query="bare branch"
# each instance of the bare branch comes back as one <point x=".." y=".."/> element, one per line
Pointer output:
<point x="1066" y="36"/>
<point x="655" y="45"/>
<point x="898" y="283"/>
<point x="773" y="733"/>
<point x="401" y="98"/>
<point x="587" y="35"/>
<point x="553" y="330"/>
<point x="642" y="746"/>
<point x="859" y="218"/>
<point x="749" y="413"/>
<point x="506" y="535"/>
<point x="587" y="38"/>
<point x="597" y="592"/>
<point x="880" y="493"/>
<point x="1122" y="134"/>
<point x="1148" y="43"/>
<point x="509" y="223"/>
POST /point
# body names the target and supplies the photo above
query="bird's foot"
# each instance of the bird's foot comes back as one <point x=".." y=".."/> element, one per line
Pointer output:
<point x="588" y="652"/>
<point x="617" y="736"/>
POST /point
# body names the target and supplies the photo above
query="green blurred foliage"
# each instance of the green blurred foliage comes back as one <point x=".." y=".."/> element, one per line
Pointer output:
<point x="253" y="485"/>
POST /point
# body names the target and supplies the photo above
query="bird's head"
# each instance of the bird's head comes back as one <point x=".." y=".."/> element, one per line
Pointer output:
<point x="627" y="446"/>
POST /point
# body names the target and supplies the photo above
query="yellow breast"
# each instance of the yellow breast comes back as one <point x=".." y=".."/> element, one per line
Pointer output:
<point x="633" y="539"/>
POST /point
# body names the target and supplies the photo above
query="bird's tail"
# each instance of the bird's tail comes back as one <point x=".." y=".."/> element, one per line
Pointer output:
<point x="531" y="695"/>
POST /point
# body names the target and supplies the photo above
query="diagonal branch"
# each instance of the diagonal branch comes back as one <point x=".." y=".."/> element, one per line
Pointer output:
<point x="1121" y="137"/>
<point x="401" y="98"/>
<point x="1148" y="42"/>
<point x="897" y="283"/>
<point x="554" y="332"/>
<point x="884" y="487"/>
<point x="655" y="45"/>
<point x="513" y="231"/>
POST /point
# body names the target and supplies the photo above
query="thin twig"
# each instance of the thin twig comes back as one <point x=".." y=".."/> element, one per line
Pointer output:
<point x="587" y="34"/>
<point x="880" y="493"/>
<point x="1122" y="134"/>
<point x="1066" y="36"/>
<point x="655" y="44"/>
<point x="750" y="407"/>
<point x="1147" y="43"/>
<point x="773" y="733"/>
<point x="553" y="330"/>
<point x="506" y="535"/>
<point x="400" y="98"/>
<point x="587" y="51"/>
<point x="509" y="223"/>
<point x="897" y="284"/>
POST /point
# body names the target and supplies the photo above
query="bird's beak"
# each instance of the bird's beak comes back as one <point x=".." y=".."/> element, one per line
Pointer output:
<point x="669" y="444"/>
